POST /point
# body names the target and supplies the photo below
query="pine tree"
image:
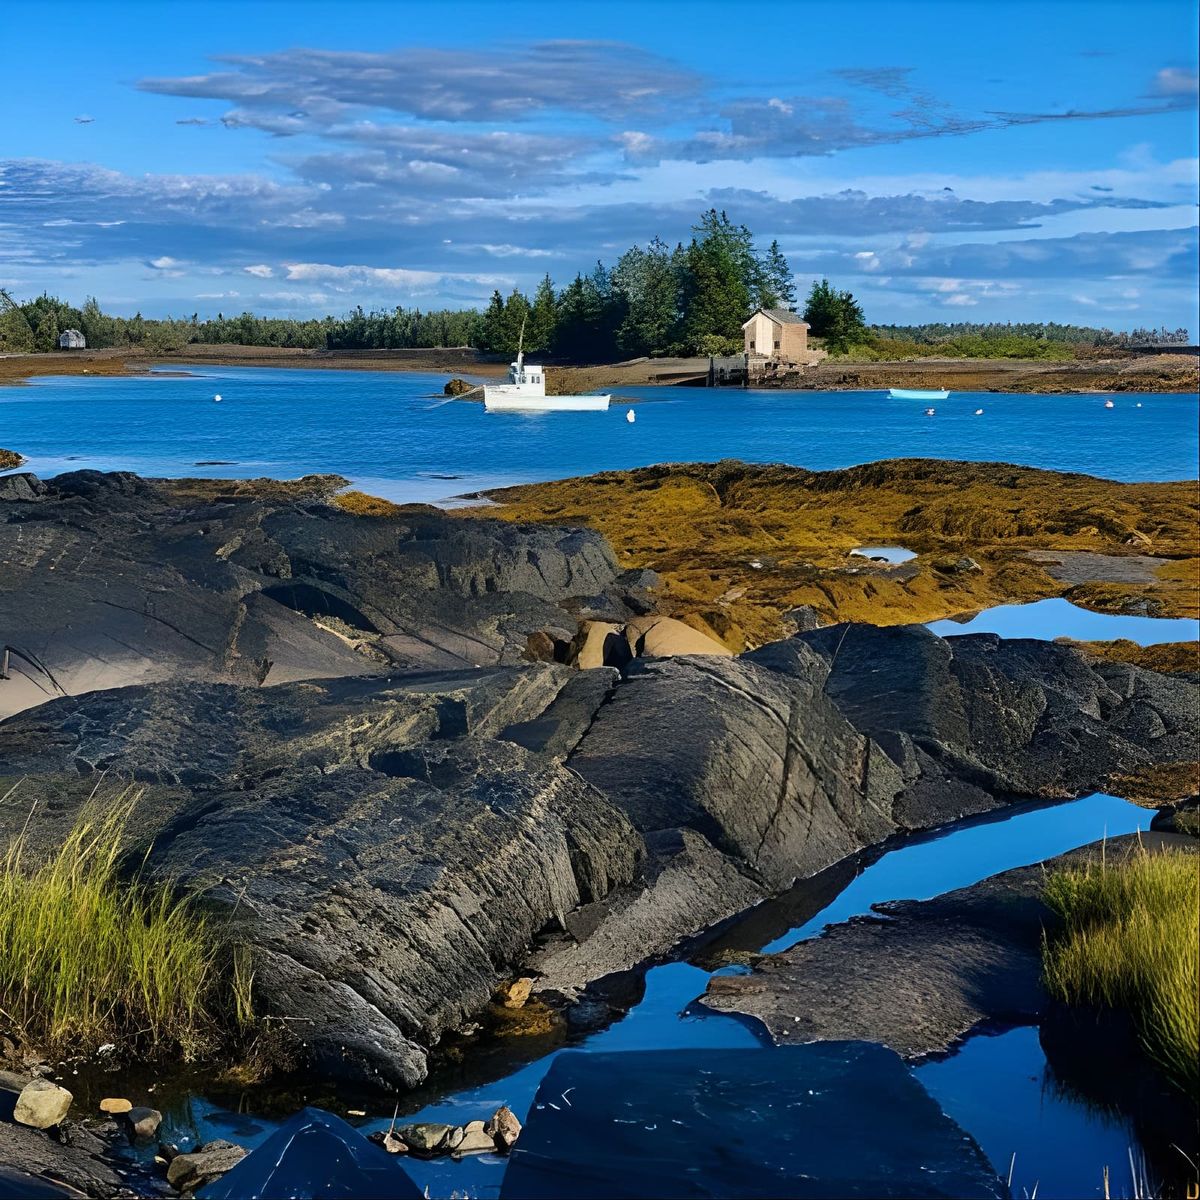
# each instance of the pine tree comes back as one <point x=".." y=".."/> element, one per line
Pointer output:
<point x="834" y="316"/>
<point x="777" y="288"/>
<point x="647" y="282"/>
<point x="542" y="318"/>
<point x="492" y="335"/>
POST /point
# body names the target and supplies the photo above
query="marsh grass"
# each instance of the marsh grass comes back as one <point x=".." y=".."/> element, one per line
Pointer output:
<point x="89" y="955"/>
<point x="1128" y="940"/>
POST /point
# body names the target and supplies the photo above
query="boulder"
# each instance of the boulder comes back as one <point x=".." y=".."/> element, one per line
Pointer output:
<point x="503" y="1128"/>
<point x="475" y="1140"/>
<point x="457" y="387"/>
<point x="42" y="1104"/>
<point x="189" y="1172"/>
<point x="514" y="994"/>
<point x="428" y="1137"/>
<point x="33" y="1164"/>
<point x="599" y="644"/>
<point x="142" y="1123"/>
<point x="665" y="637"/>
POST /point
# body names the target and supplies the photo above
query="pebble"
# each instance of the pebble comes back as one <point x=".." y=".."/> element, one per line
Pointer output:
<point x="114" y="1105"/>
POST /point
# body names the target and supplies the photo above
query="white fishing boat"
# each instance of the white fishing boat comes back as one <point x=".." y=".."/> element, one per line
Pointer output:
<point x="525" y="391"/>
<point x="916" y="394"/>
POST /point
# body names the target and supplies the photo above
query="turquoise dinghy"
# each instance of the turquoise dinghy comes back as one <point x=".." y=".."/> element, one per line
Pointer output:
<point x="915" y="394"/>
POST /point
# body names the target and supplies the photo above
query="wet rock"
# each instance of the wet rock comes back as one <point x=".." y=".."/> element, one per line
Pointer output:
<point x="921" y="974"/>
<point x="514" y="994"/>
<point x="540" y="647"/>
<point x="457" y="387"/>
<point x="475" y="1140"/>
<point x="189" y="1172"/>
<point x="503" y="1128"/>
<point x="29" y="1158"/>
<point x="389" y="1141"/>
<point x="427" y="1137"/>
<point x="742" y="1123"/>
<point x="42" y="1104"/>
<point x="142" y="1123"/>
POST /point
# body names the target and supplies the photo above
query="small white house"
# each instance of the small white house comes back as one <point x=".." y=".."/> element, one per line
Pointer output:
<point x="72" y="339"/>
<point x="777" y="333"/>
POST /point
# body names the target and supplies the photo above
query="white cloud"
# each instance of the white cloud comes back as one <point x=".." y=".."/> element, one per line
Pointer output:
<point x="260" y="271"/>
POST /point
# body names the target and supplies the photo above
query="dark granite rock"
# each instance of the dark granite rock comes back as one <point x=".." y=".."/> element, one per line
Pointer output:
<point x="919" y="976"/>
<point x="844" y="1119"/>
<point x="110" y="579"/>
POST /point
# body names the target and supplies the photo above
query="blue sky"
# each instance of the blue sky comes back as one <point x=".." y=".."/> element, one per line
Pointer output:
<point x="945" y="161"/>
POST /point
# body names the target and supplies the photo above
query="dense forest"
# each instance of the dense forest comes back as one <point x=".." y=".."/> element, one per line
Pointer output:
<point x="655" y="299"/>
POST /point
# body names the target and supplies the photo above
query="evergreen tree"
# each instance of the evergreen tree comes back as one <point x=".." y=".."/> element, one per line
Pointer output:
<point x="647" y="284"/>
<point x="834" y="316"/>
<point x="721" y="278"/>
<point x="492" y="335"/>
<point x="539" y="335"/>
<point x="777" y="288"/>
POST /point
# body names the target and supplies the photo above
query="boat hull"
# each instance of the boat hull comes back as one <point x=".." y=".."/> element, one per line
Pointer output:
<point x="502" y="403"/>
<point x="916" y="394"/>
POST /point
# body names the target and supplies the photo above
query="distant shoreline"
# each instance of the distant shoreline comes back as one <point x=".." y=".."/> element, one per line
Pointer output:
<point x="1153" y="373"/>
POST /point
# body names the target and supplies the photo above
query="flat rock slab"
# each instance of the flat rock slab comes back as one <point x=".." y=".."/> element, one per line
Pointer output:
<point x="315" y="1154"/>
<point x="844" y="1119"/>
<point x="1082" y="566"/>
<point x="919" y="976"/>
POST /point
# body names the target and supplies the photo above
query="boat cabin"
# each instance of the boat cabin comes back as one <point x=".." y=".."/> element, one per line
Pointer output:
<point x="523" y="372"/>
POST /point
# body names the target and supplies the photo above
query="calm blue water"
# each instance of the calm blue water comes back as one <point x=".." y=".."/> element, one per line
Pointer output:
<point x="1034" y="1121"/>
<point x="1057" y="618"/>
<point x="394" y="434"/>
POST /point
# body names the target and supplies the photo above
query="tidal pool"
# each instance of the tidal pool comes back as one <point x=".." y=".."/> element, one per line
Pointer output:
<point x="667" y="1016"/>
<point x="892" y="554"/>
<point x="1059" y="618"/>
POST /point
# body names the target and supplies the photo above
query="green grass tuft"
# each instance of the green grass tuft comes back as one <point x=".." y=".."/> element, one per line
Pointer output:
<point x="1129" y="940"/>
<point x="87" y="956"/>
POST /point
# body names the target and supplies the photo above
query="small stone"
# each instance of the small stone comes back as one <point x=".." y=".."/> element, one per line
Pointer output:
<point x="429" y="1137"/>
<point x="475" y="1141"/>
<point x="454" y="1138"/>
<point x="388" y="1141"/>
<point x="503" y="1127"/>
<point x="42" y="1104"/>
<point x="967" y="564"/>
<point x="514" y="994"/>
<point x="187" y="1172"/>
<point x="142" y="1123"/>
<point x="115" y="1105"/>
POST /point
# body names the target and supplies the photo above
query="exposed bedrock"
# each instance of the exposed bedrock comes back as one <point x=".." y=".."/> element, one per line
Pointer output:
<point x="110" y="579"/>
<point x="392" y="847"/>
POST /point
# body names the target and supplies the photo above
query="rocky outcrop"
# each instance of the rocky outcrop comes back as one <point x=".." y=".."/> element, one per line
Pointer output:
<point x="921" y="974"/>
<point x="392" y="847"/>
<point x="109" y="579"/>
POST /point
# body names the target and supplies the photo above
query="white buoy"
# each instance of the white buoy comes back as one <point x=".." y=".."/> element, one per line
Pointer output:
<point x="979" y="412"/>
<point x="1138" y="404"/>
<point x="630" y="416"/>
<point x="1109" y="404"/>
<point x="929" y="412"/>
<point x="217" y="398"/>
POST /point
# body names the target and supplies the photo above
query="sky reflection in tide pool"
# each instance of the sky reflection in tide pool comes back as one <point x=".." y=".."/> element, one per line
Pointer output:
<point x="1057" y="618"/>
<point x="393" y="433"/>
<point x="1002" y="1090"/>
<point x="667" y="1017"/>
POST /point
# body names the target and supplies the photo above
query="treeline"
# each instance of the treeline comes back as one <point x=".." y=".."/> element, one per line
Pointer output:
<point x="937" y="333"/>
<point x="36" y="325"/>
<point x="655" y="299"/>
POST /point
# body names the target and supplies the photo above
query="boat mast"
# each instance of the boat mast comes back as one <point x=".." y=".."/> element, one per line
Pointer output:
<point x="521" y="347"/>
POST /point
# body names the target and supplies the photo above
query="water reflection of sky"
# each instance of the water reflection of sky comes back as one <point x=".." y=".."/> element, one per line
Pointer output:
<point x="1032" y="1120"/>
<point x="1058" y="618"/>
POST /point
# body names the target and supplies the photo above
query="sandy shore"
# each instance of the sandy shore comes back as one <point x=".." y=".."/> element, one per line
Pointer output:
<point x="1151" y="373"/>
